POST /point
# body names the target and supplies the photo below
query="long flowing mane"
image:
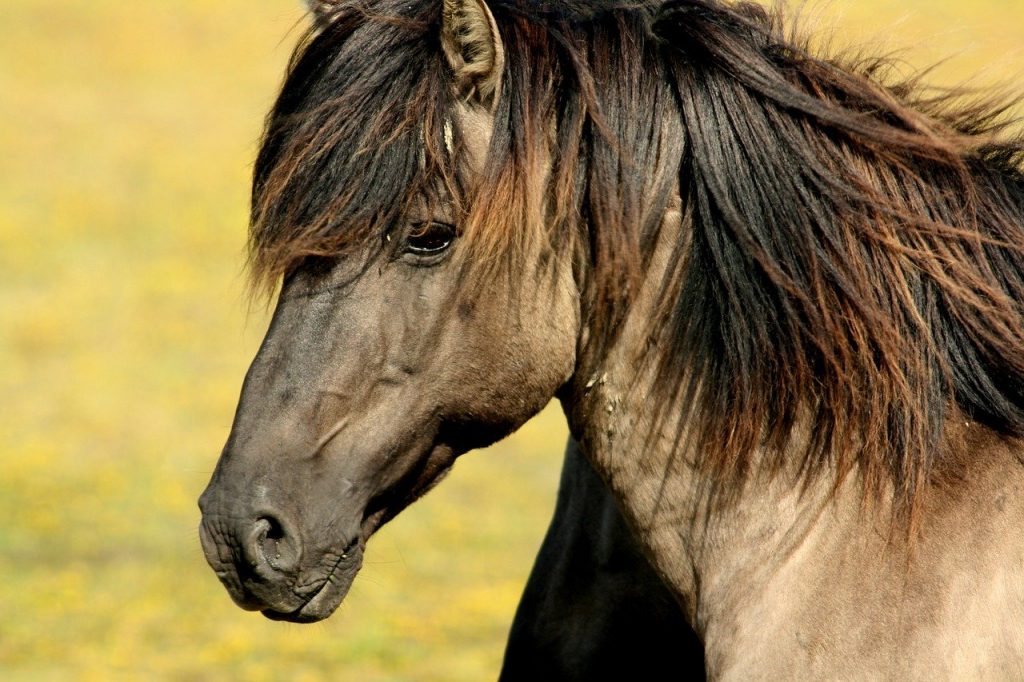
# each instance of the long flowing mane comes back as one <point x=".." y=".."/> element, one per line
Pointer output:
<point x="851" y="255"/>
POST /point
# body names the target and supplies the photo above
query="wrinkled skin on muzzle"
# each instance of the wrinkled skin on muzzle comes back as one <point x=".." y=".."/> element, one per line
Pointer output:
<point x="376" y="373"/>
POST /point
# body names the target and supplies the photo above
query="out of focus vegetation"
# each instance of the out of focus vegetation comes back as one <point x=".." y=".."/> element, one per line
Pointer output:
<point x="127" y="131"/>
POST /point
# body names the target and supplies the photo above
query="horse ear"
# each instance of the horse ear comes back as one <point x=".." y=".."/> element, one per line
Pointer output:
<point x="472" y="44"/>
<point x="323" y="10"/>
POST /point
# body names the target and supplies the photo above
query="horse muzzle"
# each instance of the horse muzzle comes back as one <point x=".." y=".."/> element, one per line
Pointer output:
<point x="264" y="565"/>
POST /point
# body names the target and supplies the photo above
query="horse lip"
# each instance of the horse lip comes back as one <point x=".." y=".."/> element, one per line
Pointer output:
<point x="324" y="600"/>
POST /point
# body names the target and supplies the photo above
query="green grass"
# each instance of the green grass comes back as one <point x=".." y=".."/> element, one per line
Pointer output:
<point x="127" y="132"/>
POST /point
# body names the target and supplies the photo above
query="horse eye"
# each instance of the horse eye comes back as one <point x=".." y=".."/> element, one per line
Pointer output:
<point x="428" y="239"/>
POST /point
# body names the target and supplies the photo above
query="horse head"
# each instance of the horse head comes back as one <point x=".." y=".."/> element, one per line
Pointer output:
<point x="380" y="365"/>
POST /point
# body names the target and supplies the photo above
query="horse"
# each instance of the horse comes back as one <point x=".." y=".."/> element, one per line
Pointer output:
<point x="776" y="292"/>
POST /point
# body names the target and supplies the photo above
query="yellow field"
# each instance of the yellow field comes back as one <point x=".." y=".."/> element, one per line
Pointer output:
<point x="127" y="131"/>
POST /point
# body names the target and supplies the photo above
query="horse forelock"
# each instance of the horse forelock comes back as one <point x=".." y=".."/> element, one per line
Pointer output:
<point x="852" y="249"/>
<point x="356" y="137"/>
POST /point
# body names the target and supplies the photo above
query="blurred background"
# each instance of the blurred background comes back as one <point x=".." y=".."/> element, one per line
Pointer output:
<point x="127" y="131"/>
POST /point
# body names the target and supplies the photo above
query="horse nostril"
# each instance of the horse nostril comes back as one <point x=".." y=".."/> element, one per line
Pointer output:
<point x="270" y="546"/>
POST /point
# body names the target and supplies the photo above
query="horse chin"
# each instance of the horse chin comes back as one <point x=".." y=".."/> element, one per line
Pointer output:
<point x="325" y="600"/>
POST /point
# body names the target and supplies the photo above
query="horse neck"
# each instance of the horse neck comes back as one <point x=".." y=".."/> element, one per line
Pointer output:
<point x="712" y="545"/>
<point x="746" y="558"/>
<point x="757" y="568"/>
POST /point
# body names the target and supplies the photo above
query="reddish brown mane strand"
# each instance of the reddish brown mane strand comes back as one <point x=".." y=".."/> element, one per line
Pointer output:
<point x="852" y="250"/>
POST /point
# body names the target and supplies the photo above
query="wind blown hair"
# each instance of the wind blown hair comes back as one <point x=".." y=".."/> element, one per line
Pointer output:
<point x="850" y="260"/>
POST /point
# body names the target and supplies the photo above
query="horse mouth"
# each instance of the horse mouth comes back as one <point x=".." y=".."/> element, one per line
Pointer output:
<point x="325" y="599"/>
